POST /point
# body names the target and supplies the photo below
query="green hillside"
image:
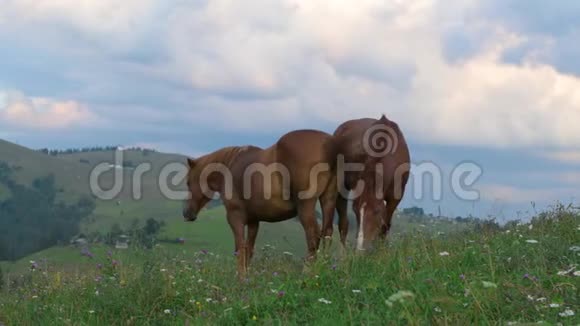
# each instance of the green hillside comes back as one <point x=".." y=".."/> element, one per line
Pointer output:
<point x="29" y="165"/>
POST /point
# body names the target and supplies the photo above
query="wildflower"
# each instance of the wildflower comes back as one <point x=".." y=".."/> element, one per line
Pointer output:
<point x="488" y="285"/>
<point x="462" y="277"/>
<point x="275" y="274"/>
<point x="163" y="270"/>
<point x="254" y="317"/>
<point x="208" y="300"/>
<point x="400" y="296"/>
<point x="99" y="266"/>
<point x="114" y="263"/>
<point x="203" y="251"/>
<point x="281" y="293"/>
<point x="576" y="273"/>
<point x="356" y="291"/>
<point x="567" y="313"/>
<point x="437" y="309"/>
<point x="567" y="272"/>
<point x="34" y="297"/>
<point x="322" y="300"/>
<point x="532" y="241"/>
<point x="167" y="311"/>
<point x="531" y="298"/>
<point x="444" y="253"/>
<point x="91" y="312"/>
<point x="554" y="305"/>
<point x="333" y="267"/>
<point x="531" y="226"/>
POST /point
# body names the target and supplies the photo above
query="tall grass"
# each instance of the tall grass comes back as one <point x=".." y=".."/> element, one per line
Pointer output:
<point x="525" y="273"/>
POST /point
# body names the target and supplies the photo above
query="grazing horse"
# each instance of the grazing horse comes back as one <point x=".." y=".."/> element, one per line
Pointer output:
<point x="380" y="147"/>
<point x="267" y="185"/>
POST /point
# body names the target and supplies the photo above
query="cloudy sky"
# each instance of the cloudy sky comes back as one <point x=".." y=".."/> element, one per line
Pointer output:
<point x="495" y="82"/>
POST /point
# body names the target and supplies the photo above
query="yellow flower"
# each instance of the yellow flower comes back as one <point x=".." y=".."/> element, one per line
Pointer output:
<point x="254" y="317"/>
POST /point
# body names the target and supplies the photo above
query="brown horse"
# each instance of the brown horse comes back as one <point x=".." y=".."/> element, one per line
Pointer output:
<point x="380" y="149"/>
<point x="267" y="185"/>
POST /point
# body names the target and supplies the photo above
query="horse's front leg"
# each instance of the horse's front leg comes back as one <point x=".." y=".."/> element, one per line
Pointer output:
<point x="237" y="222"/>
<point x="253" y="228"/>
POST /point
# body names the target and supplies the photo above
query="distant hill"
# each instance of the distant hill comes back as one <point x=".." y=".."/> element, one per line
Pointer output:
<point x="72" y="171"/>
<point x="28" y="165"/>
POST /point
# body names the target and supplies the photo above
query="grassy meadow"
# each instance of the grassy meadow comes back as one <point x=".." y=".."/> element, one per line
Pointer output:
<point x="525" y="273"/>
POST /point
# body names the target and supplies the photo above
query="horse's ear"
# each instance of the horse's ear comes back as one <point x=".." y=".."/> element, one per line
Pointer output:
<point x="383" y="118"/>
<point x="191" y="162"/>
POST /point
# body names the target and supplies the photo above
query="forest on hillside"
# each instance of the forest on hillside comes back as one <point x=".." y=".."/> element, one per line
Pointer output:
<point x="31" y="217"/>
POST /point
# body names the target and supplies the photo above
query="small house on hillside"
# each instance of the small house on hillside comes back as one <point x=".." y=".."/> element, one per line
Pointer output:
<point x="79" y="241"/>
<point x="122" y="242"/>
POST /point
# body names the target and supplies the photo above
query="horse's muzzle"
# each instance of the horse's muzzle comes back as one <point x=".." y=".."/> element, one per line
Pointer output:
<point x="189" y="216"/>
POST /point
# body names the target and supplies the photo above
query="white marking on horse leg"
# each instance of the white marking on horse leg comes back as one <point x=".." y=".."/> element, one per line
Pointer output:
<point x="361" y="238"/>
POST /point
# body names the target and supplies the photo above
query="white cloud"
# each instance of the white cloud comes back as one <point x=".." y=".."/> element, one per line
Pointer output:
<point x="513" y="194"/>
<point x="112" y="23"/>
<point x="17" y="110"/>
<point x="570" y="156"/>
<point x="261" y="65"/>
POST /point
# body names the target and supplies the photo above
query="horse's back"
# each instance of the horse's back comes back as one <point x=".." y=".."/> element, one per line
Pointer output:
<point x="303" y="151"/>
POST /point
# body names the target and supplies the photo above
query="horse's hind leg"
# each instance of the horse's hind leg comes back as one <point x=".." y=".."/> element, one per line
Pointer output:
<point x="342" y="210"/>
<point x="328" y="205"/>
<point x="306" y="215"/>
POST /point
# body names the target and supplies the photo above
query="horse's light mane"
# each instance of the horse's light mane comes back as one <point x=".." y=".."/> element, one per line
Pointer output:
<point x="226" y="156"/>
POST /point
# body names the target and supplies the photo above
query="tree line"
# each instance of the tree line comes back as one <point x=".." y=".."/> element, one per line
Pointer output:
<point x="32" y="217"/>
<point x="56" y="152"/>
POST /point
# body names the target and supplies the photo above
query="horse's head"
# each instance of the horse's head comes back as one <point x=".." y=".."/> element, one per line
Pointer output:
<point x="369" y="208"/>
<point x="197" y="198"/>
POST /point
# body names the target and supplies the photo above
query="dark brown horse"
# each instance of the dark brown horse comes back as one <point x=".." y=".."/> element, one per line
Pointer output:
<point x="267" y="185"/>
<point x="380" y="149"/>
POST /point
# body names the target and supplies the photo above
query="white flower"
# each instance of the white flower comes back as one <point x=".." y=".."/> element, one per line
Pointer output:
<point x="554" y="305"/>
<point x="508" y="231"/>
<point x="488" y="285"/>
<point x="567" y="313"/>
<point x="356" y="291"/>
<point x="208" y="300"/>
<point x="91" y="312"/>
<point x="532" y="241"/>
<point x="167" y="311"/>
<point x="531" y="298"/>
<point x="575" y="248"/>
<point x="192" y="301"/>
<point x="444" y="253"/>
<point x="399" y="297"/>
<point x="531" y="226"/>
<point x="322" y="300"/>
<point x="34" y="297"/>
<point x="437" y="309"/>
<point x="163" y="270"/>
<point x="541" y="299"/>
<point x="576" y="273"/>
